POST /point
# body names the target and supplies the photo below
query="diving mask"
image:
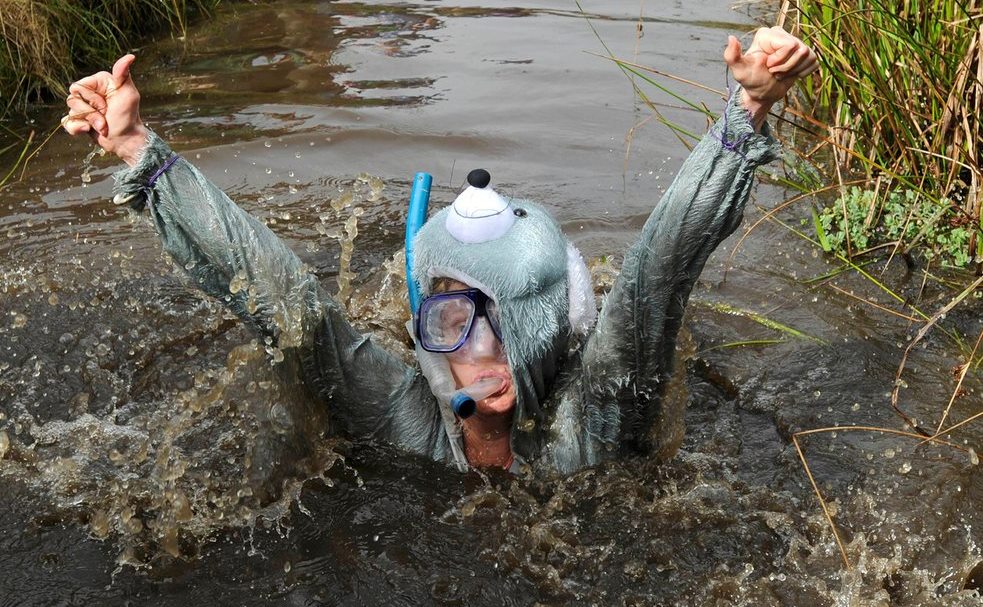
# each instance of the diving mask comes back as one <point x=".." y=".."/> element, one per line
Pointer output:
<point x="463" y="324"/>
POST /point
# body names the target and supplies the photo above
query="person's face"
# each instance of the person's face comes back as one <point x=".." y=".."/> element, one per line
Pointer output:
<point x="486" y="359"/>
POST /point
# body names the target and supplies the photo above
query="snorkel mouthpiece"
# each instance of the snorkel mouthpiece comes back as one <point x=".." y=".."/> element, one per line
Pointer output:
<point x="463" y="405"/>
<point x="464" y="401"/>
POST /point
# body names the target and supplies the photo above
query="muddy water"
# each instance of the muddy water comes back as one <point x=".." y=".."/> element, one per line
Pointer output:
<point x="153" y="452"/>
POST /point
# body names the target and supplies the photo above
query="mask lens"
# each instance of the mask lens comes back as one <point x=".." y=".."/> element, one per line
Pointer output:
<point x="491" y="311"/>
<point x="445" y="321"/>
<point x="482" y="345"/>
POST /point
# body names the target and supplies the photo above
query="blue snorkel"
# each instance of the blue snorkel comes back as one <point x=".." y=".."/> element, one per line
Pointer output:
<point x="415" y="218"/>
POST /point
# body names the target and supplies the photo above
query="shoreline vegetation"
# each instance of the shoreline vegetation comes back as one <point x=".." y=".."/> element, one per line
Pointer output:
<point x="47" y="43"/>
<point x="899" y="98"/>
<point x="885" y="137"/>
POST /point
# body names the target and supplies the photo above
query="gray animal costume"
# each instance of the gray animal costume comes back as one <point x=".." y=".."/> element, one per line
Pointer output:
<point x="573" y="409"/>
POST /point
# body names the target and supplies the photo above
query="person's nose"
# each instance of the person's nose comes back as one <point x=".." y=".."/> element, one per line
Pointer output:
<point x="485" y="345"/>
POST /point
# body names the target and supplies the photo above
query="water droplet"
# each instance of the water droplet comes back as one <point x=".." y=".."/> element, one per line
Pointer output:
<point x="99" y="523"/>
<point x="286" y="567"/>
<point x="905" y="468"/>
<point x="889" y="453"/>
<point x="973" y="457"/>
<point x="527" y="425"/>
<point x="4" y="443"/>
<point x="236" y="285"/>
<point x="133" y="525"/>
<point x="267" y="144"/>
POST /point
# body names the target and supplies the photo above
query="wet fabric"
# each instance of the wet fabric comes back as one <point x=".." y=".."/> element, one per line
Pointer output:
<point x="573" y="409"/>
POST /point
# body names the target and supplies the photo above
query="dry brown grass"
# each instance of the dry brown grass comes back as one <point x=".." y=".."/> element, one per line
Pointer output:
<point x="48" y="42"/>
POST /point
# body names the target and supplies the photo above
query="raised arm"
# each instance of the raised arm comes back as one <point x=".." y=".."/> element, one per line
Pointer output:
<point x="628" y="360"/>
<point x="234" y="257"/>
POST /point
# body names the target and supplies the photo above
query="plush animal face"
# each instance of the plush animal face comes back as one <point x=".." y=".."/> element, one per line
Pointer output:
<point x="514" y="252"/>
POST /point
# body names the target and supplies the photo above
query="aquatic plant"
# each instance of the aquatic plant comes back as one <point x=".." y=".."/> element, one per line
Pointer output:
<point x="899" y="97"/>
<point x="903" y="217"/>
<point x="47" y="43"/>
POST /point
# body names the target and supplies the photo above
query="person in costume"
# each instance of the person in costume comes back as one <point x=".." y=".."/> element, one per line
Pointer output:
<point x="504" y="292"/>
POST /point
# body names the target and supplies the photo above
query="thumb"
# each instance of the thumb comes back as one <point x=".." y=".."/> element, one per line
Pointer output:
<point x="733" y="52"/>
<point x="121" y="70"/>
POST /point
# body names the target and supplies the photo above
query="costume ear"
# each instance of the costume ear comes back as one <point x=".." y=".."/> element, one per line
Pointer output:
<point x="583" y="311"/>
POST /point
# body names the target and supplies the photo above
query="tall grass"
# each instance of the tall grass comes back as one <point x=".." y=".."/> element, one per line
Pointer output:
<point x="900" y="91"/>
<point x="48" y="43"/>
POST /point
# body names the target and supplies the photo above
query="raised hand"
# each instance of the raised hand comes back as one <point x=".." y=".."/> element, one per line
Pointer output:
<point x="107" y="107"/>
<point x="769" y="68"/>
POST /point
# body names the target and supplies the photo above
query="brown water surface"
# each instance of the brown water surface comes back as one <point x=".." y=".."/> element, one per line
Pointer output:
<point x="144" y="431"/>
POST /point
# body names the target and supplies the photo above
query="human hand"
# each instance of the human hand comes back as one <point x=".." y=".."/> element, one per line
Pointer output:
<point x="770" y="67"/>
<point x="107" y="107"/>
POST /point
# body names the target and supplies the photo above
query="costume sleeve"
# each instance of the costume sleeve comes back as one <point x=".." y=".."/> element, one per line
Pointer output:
<point x="628" y="360"/>
<point x="234" y="257"/>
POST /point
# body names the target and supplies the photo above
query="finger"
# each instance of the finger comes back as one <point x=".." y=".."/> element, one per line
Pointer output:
<point x="98" y="82"/>
<point x="91" y="97"/>
<point x="75" y="126"/>
<point x="773" y="39"/>
<point x="793" y="62"/>
<point x="79" y="109"/>
<point x="808" y="66"/>
<point x="781" y="54"/>
<point x="732" y="53"/>
<point x="121" y="71"/>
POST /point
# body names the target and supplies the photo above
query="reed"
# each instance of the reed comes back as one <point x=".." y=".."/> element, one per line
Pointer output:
<point x="47" y="43"/>
<point x="900" y="92"/>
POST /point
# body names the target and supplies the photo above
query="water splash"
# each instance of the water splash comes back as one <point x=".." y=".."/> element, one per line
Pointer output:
<point x="88" y="163"/>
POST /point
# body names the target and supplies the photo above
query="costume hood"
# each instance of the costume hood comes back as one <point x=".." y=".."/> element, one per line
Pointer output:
<point x="513" y="251"/>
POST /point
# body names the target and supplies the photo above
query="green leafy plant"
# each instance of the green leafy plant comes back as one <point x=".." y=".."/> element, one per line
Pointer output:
<point x="863" y="220"/>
